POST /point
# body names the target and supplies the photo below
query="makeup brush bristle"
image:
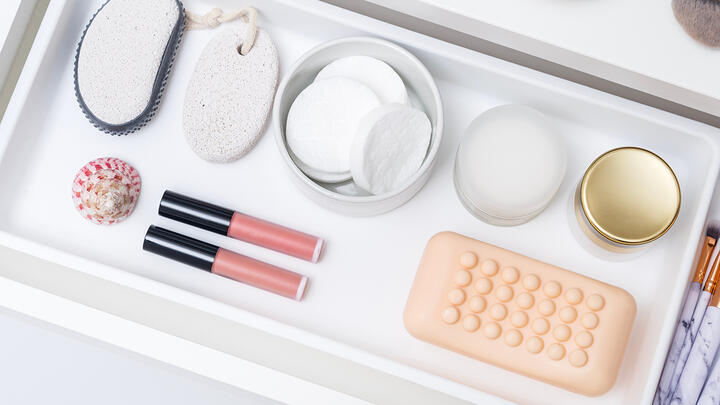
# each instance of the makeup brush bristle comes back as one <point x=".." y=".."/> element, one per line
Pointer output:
<point x="713" y="229"/>
<point x="700" y="19"/>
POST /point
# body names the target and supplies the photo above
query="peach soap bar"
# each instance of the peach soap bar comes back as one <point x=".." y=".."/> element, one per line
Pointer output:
<point x="520" y="314"/>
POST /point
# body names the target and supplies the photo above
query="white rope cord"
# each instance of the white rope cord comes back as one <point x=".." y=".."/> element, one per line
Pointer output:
<point x="216" y="16"/>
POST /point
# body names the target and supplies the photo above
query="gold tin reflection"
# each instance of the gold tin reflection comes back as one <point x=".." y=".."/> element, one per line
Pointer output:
<point x="628" y="197"/>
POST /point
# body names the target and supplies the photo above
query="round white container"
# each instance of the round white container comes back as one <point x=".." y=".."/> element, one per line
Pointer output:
<point x="347" y="198"/>
<point x="509" y="165"/>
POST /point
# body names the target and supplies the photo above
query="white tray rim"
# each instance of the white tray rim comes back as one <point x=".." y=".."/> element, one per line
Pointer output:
<point x="396" y="34"/>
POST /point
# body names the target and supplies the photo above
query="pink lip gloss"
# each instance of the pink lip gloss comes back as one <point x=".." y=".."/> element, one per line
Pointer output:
<point x="240" y="226"/>
<point x="225" y="263"/>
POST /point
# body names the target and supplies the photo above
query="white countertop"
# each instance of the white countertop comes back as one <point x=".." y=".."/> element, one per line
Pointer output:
<point x="641" y="36"/>
<point x="637" y="44"/>
<point x="75" y="369"/>
<point x="7" y="17"/>
<point x="15" y="15"/>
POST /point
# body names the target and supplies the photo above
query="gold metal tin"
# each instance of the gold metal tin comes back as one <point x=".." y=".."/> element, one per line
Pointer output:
<point x="629" y="196"/>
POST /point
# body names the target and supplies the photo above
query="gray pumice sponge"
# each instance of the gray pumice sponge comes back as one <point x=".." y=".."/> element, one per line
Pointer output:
<point x="123" y="61"/>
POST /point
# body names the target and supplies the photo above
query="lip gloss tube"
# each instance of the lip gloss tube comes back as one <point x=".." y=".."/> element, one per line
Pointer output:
<point x="240" y="226"/>
<point x="224" y="263"/>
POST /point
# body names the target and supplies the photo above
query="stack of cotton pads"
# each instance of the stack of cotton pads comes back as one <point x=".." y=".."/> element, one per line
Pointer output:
<point x="354" y="122"/>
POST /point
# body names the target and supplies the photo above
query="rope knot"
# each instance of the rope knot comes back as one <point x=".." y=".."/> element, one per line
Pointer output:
<point x="212" y="18"/>
<point x="216" y="16"/>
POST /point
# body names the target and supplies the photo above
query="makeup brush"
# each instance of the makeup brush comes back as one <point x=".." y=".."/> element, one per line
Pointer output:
<point x="702" y="354"/>
<point x="711" y="392"/>
<point x="695" y="324"/>
<point x="700" y="19"/>
<point x="711" y="235"/>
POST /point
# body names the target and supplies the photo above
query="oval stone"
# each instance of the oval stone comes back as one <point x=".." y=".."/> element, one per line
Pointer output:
<point x="230" y="95"/>
<point x="123" y="61"/>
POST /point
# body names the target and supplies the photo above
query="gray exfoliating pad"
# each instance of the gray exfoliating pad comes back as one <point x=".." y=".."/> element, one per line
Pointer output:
<point x="123" y="61"/>
<point x="230" y="95"/>
<point x="700" y="19"/>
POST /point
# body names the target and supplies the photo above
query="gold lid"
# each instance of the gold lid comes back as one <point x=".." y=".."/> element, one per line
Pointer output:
<point x="630" y="196"/>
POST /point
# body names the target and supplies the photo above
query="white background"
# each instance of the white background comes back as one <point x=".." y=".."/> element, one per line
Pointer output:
<point x="40" y="364"/>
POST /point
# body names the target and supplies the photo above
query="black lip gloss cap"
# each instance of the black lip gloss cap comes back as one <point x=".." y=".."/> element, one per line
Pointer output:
<point x="195" y="212"/>
<point x="181" y="248"/>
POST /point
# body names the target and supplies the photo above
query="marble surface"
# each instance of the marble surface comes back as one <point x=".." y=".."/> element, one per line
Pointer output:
<point x="695" y="324"/>
<point x="700" y="359"/>
<point x="683" y="327"/>
<point x="711" y="392"/>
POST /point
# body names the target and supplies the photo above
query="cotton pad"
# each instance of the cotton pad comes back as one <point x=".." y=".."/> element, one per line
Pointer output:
<point x="319" y="175"/>
<point x="230" y="95"/>
<point x="322" y="123"/>
<point x="123" y="61"/>
<point x="389" y="147"/>
<point x="374" y="73"/>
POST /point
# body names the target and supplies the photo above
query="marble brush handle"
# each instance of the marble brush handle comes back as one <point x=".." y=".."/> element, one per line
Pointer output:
<point x="711" y="393"/>
<point x="687" y="345"/>
<point x="674" y="352"/>
<point x="700" y="359"/>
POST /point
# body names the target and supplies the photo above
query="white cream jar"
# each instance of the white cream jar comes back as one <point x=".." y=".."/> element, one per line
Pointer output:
<point x="509" y="165"/>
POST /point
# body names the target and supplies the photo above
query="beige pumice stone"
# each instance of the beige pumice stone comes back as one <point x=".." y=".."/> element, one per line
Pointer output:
<point x="230" y="95"/>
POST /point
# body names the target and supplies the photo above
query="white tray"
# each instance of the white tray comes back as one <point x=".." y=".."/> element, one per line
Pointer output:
<point x="357" y="293"/>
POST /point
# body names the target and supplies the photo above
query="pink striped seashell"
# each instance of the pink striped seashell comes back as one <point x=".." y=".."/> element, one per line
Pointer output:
<point x="106" y="190"/>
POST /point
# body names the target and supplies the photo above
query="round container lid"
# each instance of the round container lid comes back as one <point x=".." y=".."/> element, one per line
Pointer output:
<point x="630" y="196"/>
<point x="510" y="164"/>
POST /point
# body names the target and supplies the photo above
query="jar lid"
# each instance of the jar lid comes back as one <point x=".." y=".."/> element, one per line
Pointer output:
<point x="630" y="196"/>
